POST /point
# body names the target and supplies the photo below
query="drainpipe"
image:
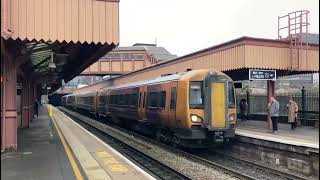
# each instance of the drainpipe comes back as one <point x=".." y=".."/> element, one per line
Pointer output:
<point x="6" y="33"/>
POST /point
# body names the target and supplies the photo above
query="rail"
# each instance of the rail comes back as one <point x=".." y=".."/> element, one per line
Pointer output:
<point x="286" y="175"/>
<point x="149" y="164"/>
<point x="191" y="157"/>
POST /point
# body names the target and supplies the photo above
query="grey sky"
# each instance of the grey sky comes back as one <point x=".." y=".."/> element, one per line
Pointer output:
<point x="185" y="26"/>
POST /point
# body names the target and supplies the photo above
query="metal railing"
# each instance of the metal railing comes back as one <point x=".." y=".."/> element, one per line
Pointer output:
<point x="307" y="100"/>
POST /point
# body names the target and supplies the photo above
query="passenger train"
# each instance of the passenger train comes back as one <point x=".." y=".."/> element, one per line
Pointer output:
<point x="191" y="109"/>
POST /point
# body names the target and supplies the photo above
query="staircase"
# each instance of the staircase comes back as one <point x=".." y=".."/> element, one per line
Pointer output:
<point x="296" y="27"/>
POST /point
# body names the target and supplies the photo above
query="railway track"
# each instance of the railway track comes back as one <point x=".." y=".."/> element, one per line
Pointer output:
<point x="149" y="164"/>
<point x="111" y="131"/>
<point x="218" y="161"/>
<point x="269" y="171"/>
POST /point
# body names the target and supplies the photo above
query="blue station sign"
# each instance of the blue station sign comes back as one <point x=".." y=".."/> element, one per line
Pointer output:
<point x="257" y="74"/>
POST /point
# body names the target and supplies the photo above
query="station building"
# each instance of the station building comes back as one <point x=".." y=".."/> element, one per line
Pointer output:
<point x="123" y="60"/>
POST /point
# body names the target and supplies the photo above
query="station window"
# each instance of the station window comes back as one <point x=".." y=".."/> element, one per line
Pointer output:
<point x="116" y="56"/>
<point x="152" y="99"/>
<point x="112" y="56"/>
<point x="127" y="56"/>
<point x="137" y="56"/>
<point x="173" y="98"/>
<point x="162" y="99"/>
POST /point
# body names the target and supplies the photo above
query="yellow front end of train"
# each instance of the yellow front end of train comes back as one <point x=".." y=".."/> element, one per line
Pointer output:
<point x="206" y="107"/>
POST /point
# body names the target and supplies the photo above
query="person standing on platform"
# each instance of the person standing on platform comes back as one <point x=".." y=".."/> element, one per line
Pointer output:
<point x="292" y="113"/>
<point x="36" y="107"/>
<point x="243" y="109"/>
<point x="274" y="112"/>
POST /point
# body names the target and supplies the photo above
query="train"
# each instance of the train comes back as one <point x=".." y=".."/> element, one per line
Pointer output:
<point x="190" y="109"/>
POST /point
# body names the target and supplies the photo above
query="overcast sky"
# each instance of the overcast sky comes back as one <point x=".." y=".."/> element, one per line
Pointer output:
<point x="185" y="26"/>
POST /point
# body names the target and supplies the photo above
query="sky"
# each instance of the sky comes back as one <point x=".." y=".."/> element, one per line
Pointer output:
<point x="186" y="26"/>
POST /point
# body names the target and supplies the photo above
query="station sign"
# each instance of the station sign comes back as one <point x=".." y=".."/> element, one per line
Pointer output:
<point x="257" y="74"/>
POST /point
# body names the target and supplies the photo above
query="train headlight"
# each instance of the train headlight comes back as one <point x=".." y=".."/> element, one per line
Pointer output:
<point x="232" y="117"/>
<point x="196" y="119"/>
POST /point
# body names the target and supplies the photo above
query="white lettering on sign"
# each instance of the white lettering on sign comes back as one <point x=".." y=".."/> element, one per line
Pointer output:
<point x="256" y="74"/>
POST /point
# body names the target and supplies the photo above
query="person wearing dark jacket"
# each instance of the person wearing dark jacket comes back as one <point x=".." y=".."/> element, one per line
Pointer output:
<point x="36" y="107"/>
<point x="243" y="109"/>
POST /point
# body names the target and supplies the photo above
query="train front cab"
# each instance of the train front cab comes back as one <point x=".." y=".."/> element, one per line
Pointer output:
<point x="210" y="106"/>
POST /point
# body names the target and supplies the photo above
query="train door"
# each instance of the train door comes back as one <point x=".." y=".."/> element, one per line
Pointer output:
<point x="164" y="104"/>
<point x="152" y="104"/>
<point x="172" y="104"/>
<point x="142" y="103"/>
<point x="96" y="102"/>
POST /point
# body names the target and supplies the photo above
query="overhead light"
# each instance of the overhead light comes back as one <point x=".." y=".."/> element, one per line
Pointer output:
<point x="52" y="65"/>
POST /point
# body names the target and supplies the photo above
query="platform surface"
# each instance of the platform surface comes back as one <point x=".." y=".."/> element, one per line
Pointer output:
<point x="97" y="159"/>
<point x="57" y="148"/>
<point x="301" y="136"/>
<point x="40" y="154"/>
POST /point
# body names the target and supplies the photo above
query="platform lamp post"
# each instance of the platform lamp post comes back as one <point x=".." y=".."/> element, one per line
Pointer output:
<point x="48" y="89"/>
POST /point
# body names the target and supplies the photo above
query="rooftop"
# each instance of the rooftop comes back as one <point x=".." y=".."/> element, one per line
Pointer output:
<point x="159" y="53"/>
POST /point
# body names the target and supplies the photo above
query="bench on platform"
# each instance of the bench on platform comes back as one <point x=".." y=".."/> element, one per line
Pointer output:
<point x="308" y="118"/>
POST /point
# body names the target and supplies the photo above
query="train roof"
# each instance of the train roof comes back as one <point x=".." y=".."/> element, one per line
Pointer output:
<point x="165" y="78"/>
<point x="161" y="79"/>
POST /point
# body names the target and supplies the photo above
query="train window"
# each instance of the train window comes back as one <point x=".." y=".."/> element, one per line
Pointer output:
<point x="139" y="99"/>
<point x="110" y="99"/>
<point x="173" y="98"/>
<point x="134" y="99"/>
<point x="116" y="99"/>
<point x="231" y="99"/>
<point x="196" y="95"/>
<point x="101" y="101"/>
<point x="162" y="99"/>
<point x="144" y="99"/>
<point x="121" y="99"/>
<point x="90" y="100"/>
<point x="152" y="99"/>
<point x="126" y="99"/>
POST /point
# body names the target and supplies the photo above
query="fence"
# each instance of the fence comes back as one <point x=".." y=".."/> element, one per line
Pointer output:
<point x="308" y="101"/>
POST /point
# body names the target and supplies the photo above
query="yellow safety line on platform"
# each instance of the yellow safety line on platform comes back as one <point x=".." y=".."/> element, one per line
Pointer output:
<point x="66" y="148"/>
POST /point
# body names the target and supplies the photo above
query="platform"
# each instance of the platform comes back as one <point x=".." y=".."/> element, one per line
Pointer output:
<point x="55" y="147"/>
<point x="301" y="136"/>
<point x="40" y="153"/>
